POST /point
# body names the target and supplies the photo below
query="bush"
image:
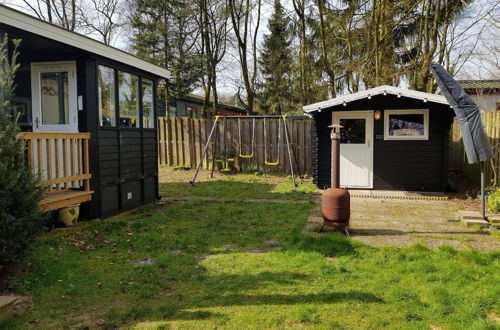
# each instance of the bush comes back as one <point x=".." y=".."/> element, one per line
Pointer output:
<point x="494" y="201"/>
<point x="20" y="193"/>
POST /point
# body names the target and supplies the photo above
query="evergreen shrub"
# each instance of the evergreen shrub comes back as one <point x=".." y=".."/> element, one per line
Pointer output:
<point x="494" y="201"/>
<point x="20" y="192"/>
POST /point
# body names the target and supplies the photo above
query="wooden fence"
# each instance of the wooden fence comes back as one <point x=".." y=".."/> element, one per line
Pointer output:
<point x="181" y="142"/>
<point x="458" y="159"/>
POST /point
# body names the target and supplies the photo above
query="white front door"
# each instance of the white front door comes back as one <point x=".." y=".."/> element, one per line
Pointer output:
<point x="54" y="97"/>
<point x="54" y="109"/>
<point x="356" y="148"/>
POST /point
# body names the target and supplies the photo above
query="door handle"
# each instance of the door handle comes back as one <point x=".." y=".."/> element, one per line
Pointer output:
<point x="37" y="123"/>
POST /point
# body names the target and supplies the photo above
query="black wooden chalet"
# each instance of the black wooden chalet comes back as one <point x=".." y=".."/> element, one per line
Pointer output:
<point x="393" y="139"/>
<point x="89" y="115"/>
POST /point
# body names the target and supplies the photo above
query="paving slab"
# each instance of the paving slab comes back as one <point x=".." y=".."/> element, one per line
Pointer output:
<point x="472" y="215"/>
<point x="475" y="222"/>
<point x="494" y="218"/>
<point x="10" y="305"/>
<point x="391" y="194"/>
<point x="399" y="223"/>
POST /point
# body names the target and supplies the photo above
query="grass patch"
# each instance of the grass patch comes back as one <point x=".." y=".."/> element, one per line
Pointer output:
<point x="496" y="234"/>
<point x="241" y="186"/>
<point x="207" y="274"/>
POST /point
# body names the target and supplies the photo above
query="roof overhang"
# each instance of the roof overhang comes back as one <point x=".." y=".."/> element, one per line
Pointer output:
<point x="51" y="31"/>
<point x="381" y="90"/>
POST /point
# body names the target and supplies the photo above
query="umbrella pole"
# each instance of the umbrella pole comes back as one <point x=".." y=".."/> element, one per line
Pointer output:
<point x="483" y="197"/>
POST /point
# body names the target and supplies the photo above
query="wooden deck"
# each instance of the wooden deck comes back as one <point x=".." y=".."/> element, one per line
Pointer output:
<point x="61" y="162"/>
<point x="56" y="200"/>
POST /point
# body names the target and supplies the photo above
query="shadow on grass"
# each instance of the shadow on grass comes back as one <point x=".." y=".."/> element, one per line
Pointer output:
<point x="103" y="253"/>
<point x="284" y="299"/>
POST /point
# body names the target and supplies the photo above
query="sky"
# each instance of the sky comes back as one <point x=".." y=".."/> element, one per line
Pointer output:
<point x="482" y="63"/>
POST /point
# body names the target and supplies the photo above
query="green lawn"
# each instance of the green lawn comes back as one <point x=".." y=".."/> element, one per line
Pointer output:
<point x="241" y="186"/>
<point x="235" y="264"/>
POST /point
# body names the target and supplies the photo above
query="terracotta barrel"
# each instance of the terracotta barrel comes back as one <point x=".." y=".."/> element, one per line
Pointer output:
<point x="336" y="207"/>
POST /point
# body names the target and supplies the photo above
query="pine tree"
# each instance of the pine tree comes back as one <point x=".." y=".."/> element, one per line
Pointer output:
<point x="20" y="193"/>
<point x="276" y="64"/>
<point x="165" y="34"/>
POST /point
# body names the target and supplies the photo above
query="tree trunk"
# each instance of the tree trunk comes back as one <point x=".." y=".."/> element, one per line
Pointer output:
<point x="324" y="54"/>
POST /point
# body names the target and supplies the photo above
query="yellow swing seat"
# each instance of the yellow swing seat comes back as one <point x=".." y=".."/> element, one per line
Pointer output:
<point x="272" y="163"/>
<point x="245" y="156"/>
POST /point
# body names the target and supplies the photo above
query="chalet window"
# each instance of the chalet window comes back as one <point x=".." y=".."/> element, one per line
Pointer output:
<point x="107" y="102"/>
<point x="54" y="95"/>
<point x="128" y="98"/>
<point x="406" y="124"/>
<point x="148" y="118"/>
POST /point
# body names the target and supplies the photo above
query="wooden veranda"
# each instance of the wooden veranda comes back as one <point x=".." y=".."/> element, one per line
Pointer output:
<point x="61" y="162"/>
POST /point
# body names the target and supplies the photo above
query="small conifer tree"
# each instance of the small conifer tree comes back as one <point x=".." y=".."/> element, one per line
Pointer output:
<point x="276" y="60"/>
<point x="20" y="192"/>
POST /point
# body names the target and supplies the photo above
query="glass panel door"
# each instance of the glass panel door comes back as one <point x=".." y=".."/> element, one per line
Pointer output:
<point x="54" y="97"/>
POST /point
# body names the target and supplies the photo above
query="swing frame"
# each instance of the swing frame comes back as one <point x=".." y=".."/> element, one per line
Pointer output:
<point x="214" y="145"/>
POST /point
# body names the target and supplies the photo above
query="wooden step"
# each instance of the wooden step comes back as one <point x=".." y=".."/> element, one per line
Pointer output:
<point x="57" y="200"/>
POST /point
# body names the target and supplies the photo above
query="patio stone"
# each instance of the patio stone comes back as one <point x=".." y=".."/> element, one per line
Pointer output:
<point x="12" y="305"/>
<point x="474" y="222"/>
<point x="400" y="222"/>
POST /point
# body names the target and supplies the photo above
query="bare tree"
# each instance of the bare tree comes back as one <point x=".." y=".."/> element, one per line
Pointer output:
<point x="326" y="65"/>
<point x="213" y="24"/>
<point x="299" y="7"/>
<point x="60" y="12"/>
<point x="102" y="17"/>
<point x="241" y="12"/>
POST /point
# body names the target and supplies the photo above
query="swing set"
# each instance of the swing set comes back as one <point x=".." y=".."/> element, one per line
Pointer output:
<point x="224" y="162"/>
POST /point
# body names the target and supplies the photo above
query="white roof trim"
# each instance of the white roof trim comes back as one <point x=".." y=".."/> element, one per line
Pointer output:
<point x="33" y="25"/>
<point x="426" y="97"/>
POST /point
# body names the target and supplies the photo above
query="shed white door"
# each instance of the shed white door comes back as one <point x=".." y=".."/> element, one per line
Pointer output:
<point x="356" y="148"/>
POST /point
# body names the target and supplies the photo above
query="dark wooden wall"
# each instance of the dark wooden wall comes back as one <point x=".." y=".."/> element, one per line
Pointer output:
<point x="124" y="166"/>
<point x="122" y="160"/>
<point x="418" y="165"/>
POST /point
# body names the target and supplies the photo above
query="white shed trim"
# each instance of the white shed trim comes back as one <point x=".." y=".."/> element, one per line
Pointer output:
<point x="51" y="31"/>
<point x="384" y="90"/>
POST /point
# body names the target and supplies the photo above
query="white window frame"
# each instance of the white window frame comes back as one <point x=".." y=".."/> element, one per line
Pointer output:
<point x="424" y="112"/>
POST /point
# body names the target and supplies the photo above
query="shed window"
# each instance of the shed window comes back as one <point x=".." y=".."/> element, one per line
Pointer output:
<point x="107" y="102"/>
<point x="406" y="124"/>
<point x="148" y="117"/>
<point x="353" y="131"/>
<point x="128" y="85"/>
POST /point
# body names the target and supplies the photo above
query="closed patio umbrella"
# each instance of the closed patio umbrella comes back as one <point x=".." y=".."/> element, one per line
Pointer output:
<point x="476" y="143"/>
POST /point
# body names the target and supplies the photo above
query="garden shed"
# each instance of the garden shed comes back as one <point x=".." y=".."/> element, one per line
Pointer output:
<point x="88" y="113"/>
<point x="393" y="139"/>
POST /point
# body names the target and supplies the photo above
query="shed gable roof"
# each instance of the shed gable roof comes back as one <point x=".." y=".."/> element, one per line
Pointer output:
<point x="384" y="90"/>
<point x="480" y="84"/>
<point x="51" y="31"/>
